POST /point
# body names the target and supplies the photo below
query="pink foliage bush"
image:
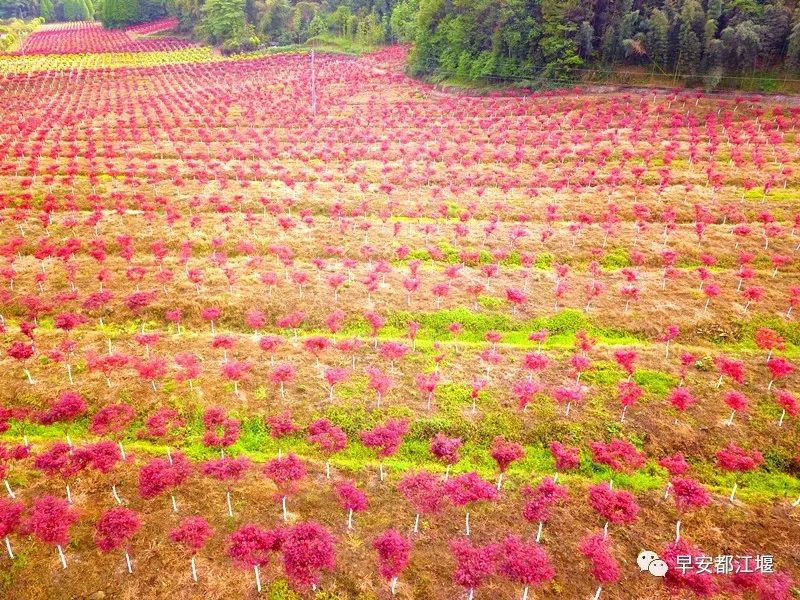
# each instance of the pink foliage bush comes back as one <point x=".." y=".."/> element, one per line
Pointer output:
<point x="566" y="457"/>
<point x="67" y="407"/>
<point x="350" y="497"/>
<point x="385" y="439"/>
<point x="193" y="533"/>
<point x="281" y="425"/>
<point x="618" y="454"/>
<point x="615" y="506"/>
<point x="423" y="490"/>
<point x="527" y="564"/>
<point x="736" y="458"/>
<point x="689" y="493"/>
<point x="445" y="449"/>
<point x="597" y="548"/>
<point x="541" y="499"/>
<point x="10" y="515"/>
<point x="675" y="464"/>
<point x="226" y="468"/>
<point x="504" y="453"/>
<point x="329" y="437"/>
<point x="308" y="550"/>
<point x="468" y="488"/>
<point x="393" y="550"/>
<point x="221" y="431"/>
<point x="161" y="423"/>
<point x="115" y="527"/>
<point x="474" y="564"/>
<point x="112" y="418"/>
<point x="701" y="584"/>
<point x="159" y="475"/>
<point x="250" y="546"/>
<point x="286" y="472"/>
<point x="50" y="519"/>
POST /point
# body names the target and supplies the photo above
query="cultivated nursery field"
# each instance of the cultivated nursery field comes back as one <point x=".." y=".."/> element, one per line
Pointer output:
<point x="310" y="328"/>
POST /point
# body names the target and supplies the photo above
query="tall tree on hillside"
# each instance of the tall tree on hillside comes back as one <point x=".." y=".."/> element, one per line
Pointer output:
<point x="691" y="22"/>
<point x="119" y="13"/>
<point x="658" y="38"/>
<point x="774" y="32"/>
<point x="222" y="19"/>
<point x="793" y="51"/>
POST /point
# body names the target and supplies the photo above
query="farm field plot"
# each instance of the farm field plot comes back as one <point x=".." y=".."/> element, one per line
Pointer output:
<point x="393" y="340"/>
<point x="85" y="37"/>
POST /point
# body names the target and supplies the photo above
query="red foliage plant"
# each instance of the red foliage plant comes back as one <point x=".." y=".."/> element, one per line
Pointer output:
<point x="249" y="546"/>
<point x="10" y="518"/>
<point x="281" y="425"/>
<point x="424" y="492"/>
<point x="351" y="499"/>
<point x="67" y="407"/>
<point x="446" y="450"/>
<point x="735" y="458"/>
<point x="159" y="474"/>
<point x="677" y="579"/>
<point x="675" y="464"/>
<point x="618" y="454"/>
<point x="541" y="499"/>
<point x="192" y="533"/>
<point x="115" y="527"/>
<point x="226" y="468"/>
<point x="385" y="439"/>
<point x="50" y="519"/>
<point x="308" y="550"/>
<point x="161" y="423"/>
<point x="616" y="506"/>
<point x="504" y="453"/>
<point x="393" y="550"/>
<point x="526" y="564"/>
<point x="689" y="493"/>
<point x="474" y="564"/>
<point x="286" y="472"/>
<point x="221" y="431"/>
<point x="112" y="419"/>
<point x="681" y="398"/>
<point x="597" y="548"/>
<point x="102" y="456"/>
<point x="60" y="460"/>
<point x="566" y="457"/>
<point x="468" y="488"/>
<point x="327" y="436"/>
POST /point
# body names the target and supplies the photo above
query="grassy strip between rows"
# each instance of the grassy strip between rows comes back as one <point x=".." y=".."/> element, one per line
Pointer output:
<point x="766" y="485"/>
<point x="562" y="328"/>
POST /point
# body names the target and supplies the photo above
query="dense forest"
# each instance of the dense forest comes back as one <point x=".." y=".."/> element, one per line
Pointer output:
<point x="470" y="39"/>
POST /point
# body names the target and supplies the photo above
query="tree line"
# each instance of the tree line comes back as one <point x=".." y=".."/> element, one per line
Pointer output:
<point x="473" y="39"/>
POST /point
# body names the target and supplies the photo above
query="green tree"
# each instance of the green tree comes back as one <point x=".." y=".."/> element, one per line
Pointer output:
<point x="585" y="40"/>
<point x="223" y="20"/>
<point x="339" y="19"/>
<point x="273" y="18"/>
<point x="658" y="38"/>
<point x="119" y="13"/>
<point x="688" y="51"/>
<point x="740" y="46"/>
<point x="47" y="10"/>
<point x="558" y="45"/>
<point x="714" y="9"/>
<point x="793" y="51"/>
<point x="774" y="32"/>
<point x="317" y="27"/>
<point x="302" y="15"/>
<point x="404" y="21"/>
